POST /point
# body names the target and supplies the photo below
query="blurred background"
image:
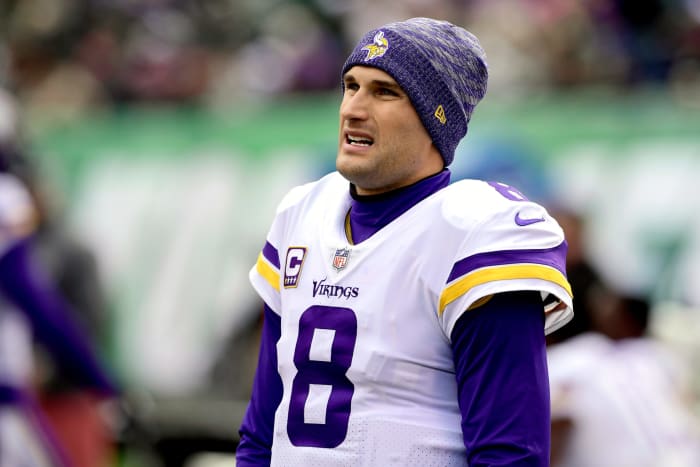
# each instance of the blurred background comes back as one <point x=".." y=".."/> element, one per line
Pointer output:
<point x="157" y="136"/>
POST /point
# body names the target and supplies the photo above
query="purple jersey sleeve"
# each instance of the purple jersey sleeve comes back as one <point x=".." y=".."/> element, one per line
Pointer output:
<point x="256" y="430"/>
<point x="500" y="361"/>
<point x="22" y="284"/>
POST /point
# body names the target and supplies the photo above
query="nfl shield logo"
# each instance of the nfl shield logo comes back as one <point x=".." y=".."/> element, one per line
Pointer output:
<point x="340" y="259"/>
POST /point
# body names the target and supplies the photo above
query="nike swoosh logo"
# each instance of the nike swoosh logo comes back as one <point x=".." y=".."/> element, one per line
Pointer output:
<point x="523" y="222"/>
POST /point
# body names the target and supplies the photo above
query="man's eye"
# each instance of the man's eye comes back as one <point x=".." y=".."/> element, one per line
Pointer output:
<point x="352" y="86"/>
<point x="386" y="92"/>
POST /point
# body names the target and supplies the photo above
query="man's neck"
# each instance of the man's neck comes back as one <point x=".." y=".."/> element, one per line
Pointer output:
<point x="369" y="213"/>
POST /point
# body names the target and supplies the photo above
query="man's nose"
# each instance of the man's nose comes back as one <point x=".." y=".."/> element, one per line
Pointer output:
<point x="355" y="106"/>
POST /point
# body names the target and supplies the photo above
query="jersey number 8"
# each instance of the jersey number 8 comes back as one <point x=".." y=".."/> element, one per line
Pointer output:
<point x="324" y="370"/>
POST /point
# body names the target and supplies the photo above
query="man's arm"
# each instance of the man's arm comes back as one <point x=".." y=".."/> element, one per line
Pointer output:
<point x="255" y="445"/>
<point x="501" y="367"/>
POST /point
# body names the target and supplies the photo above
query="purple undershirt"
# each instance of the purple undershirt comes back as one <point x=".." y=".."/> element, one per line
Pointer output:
<point x="499" y="354"/>
<point x="368" y="214"/>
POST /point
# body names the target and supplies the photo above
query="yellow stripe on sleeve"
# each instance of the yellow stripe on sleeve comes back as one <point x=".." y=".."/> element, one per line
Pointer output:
<point x="268" y="272"/>
<point x="497" y="273"/>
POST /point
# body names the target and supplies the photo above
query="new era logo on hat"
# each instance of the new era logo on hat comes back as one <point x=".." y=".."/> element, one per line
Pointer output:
<point x="440" y="114"/>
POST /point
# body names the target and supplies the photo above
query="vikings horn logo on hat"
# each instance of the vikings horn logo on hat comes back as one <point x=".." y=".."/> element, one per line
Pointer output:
<point x="377" y="48"/>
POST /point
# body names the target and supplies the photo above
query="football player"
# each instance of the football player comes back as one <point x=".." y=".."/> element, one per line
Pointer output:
<point x="33" y="311"/>
<point x="405" y="316"/>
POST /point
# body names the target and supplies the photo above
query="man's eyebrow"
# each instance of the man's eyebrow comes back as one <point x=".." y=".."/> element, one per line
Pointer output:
<point x="385" y="84"/>
<point x="349" y="78"/>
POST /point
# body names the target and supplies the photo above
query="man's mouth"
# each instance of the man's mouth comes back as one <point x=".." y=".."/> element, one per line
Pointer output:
<point x="359" y="140"/>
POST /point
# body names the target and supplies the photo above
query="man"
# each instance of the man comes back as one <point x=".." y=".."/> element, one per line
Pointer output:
<point x="403" y="315"/>
<point x="33" y="311"/>
<point x="620" y="395"/>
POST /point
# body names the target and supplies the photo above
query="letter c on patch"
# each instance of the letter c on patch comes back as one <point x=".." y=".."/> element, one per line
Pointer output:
<point x="292" y="266"/>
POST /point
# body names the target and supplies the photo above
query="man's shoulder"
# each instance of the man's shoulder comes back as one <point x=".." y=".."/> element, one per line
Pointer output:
<point x="483" y="194"/>
<point x="469" y="201"/>
<point x="497" y="209"/>
<point x="329" y="185"/>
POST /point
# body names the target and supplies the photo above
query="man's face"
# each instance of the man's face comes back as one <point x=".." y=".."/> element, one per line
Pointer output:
<point x="382" y="143"/>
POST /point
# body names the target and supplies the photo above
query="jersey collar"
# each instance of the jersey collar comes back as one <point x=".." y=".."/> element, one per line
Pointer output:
<point x="369" y="213"/>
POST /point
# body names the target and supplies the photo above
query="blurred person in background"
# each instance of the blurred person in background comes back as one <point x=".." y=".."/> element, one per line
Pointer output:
<point x="581" y="273"/>
<point x="404" y="316"/>
<point x="65" y="428"/>
<point x="620" y="398"/>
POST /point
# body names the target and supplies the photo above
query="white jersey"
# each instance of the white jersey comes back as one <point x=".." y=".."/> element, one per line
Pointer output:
<point x="364" y="354"/>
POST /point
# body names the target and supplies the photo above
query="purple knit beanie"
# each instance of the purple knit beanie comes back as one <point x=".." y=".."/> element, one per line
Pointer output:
<point x="441" y="67"/>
